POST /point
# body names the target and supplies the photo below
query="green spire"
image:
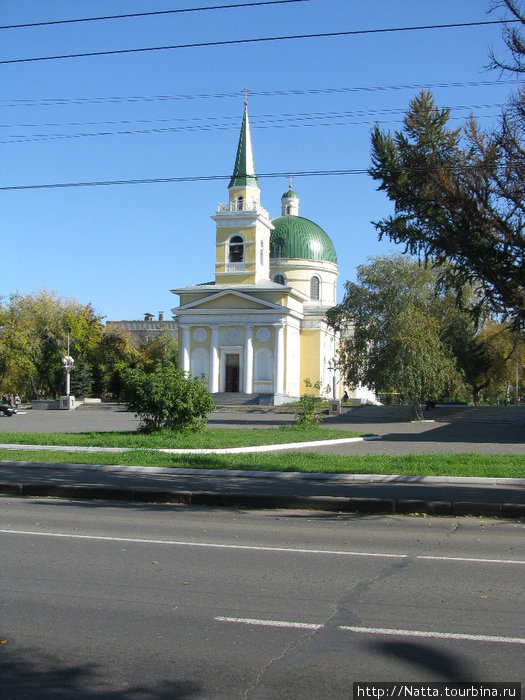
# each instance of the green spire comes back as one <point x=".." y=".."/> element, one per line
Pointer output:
<point x="244" y="170"/>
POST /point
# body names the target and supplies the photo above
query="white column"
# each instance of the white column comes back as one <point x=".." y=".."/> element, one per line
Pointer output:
<point x="185" y="350"/>
<point x="278" y="366"/>
<point x="214" y="352"/>
<point x="248" y="361"/>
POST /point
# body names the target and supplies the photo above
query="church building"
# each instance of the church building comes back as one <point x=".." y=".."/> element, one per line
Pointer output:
<point x="259" y="328"/>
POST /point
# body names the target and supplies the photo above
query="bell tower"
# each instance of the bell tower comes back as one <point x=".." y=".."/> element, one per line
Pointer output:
<point x="243" y="226"/>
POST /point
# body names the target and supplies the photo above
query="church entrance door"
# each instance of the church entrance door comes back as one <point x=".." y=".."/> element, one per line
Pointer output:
<point x="232" y="372"/>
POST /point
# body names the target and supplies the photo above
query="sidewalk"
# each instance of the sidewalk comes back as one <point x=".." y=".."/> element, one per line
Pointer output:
<point x="335" y="493"/>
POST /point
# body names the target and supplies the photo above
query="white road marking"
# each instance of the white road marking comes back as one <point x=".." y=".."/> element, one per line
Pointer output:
<point x="257" y="548"/>
<point x="376" y="630"/>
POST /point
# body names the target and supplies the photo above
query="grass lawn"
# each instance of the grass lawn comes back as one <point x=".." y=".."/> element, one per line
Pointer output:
<point x="473" y="465"/>
<point x="206" y="439"/>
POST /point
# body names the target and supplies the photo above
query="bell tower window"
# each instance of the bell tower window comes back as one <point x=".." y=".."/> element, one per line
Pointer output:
<point x="240" y="203"/>
<point x="236" y="250"/>
<point x="314" y="289"/>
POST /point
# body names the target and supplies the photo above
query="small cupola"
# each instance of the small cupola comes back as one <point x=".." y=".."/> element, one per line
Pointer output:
<point x="290" y="202"/>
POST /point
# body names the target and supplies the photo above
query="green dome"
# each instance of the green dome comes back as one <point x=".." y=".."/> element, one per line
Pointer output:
<point x="296" y="237"/>
<point x="290" y="193"/>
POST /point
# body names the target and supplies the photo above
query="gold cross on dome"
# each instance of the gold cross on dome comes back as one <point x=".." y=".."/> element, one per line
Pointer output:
<point x="290" y="181"/>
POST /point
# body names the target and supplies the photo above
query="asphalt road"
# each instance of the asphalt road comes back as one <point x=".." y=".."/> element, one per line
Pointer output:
<point x="116" y="601"/>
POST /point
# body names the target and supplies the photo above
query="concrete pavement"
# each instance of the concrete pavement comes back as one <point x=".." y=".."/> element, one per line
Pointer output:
<point x="345" y="493"/>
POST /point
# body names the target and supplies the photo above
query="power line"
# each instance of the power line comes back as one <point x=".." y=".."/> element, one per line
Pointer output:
<point x="196" y="178"/>
<point x="66" y="101"/>
<point x="233" y="42"/>
<point x="270" y="121"/>
<point x="162" y="180"/>
<point x="254" y="118"/>
<point x="148" y="14"/>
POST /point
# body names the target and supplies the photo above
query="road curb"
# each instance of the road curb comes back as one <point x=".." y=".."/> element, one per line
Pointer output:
<point x="263" y="501"/>
<point x="284" y="476"/>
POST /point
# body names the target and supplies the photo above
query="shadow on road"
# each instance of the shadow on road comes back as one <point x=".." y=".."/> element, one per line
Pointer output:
<point x="425" y="656"/>
<point x="29" y="673"/>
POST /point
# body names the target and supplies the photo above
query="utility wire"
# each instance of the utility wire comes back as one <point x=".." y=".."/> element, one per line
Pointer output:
<point x="232" y="42"/>
<point x="285" y="122"/>
<point x="231" y="121"/>
<point x="149" y="14"/>
<point x="65" y="101"/>
<point x="160" y="180"/>
<point x="196" y="178"/>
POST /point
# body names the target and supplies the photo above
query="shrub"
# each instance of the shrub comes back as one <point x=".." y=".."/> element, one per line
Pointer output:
<point x="309" y="415"/>
<point x="167" y="398"/>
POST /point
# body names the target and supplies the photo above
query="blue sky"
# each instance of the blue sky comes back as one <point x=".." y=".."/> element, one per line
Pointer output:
<point x="177" y="114"/>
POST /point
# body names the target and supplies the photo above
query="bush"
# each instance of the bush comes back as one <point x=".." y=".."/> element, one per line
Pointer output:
<point x="167" y="398"/>
<point x="308" y="415"/>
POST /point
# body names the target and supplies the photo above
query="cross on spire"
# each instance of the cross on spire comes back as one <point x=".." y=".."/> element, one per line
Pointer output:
<point x="246" y="91"/>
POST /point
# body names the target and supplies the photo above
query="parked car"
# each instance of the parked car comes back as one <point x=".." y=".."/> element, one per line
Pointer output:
<point x="6" y="410"/>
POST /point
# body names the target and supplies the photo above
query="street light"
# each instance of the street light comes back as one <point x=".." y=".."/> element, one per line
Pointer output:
<point x="67" y="364"/>
<point x="333" y="367"/>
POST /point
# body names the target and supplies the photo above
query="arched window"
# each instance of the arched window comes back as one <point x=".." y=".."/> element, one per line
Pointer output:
<point x="279" y="279"/>
<point x="279" y="247"/>
<point x="314" y="288"/>
<point x="236" y="249"/>
<point x="240" y="203"/>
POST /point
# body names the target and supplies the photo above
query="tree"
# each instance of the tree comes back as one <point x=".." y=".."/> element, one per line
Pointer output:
<point x="457" y="202"/>
<point x="163" y="348"/>
<point x="81" y="380"/>
<point x="33" y="341"/>
<point x="166" y="398"/>
<point x="512" y="38"/>
<point x="506" y="350"/>
<point x="393" y="332"/>
<point x="114" y="353"/>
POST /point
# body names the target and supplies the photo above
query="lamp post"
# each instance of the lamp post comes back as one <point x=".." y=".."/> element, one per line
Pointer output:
<point x="333" y="367"/>
<point x="67" y="364"/>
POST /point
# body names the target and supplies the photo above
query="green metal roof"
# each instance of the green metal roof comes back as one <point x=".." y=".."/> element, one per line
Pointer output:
<point x="297" y="237"/>
<point x="244" y="169"/>
<point x="290" y="193"/>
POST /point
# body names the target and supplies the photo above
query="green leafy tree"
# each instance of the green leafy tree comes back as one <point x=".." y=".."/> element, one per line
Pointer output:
<point x="506" y="350"/>
<point x="166" y="398"/>
<point x="393" y="336"/>
<point x="81" y="380"/>
<point x="459" y="201"/>
<point x="163" y="349"/>
<point x="114" y="353"/>
<point x="33" y="341"/>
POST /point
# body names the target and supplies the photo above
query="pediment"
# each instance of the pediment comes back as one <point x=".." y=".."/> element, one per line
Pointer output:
<point x="230" y="300"/>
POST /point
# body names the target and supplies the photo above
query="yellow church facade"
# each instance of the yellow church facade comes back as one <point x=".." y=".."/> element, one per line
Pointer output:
<point x="259" y="329"/>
